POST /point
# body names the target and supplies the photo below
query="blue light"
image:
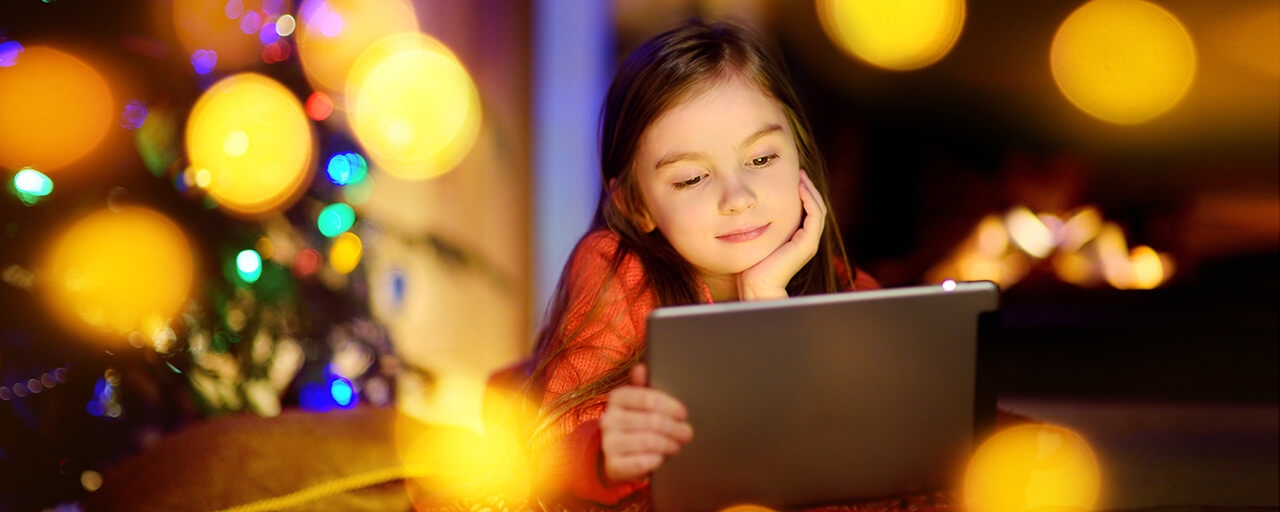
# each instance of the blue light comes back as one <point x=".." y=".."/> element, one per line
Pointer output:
<point x="203" y="61"/>
<point x="343" y="395"/>
<point x="339" y="169"/>
<point x="9" y="51"/>
<point x="346" y="168"/>
<point x="312" y="398"/>
<point x="135" y="113"/>
<point x="268" y="33"/>
<point x="94" y="408"/>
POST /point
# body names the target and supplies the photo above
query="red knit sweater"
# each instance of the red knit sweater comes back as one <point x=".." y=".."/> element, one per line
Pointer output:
<point x="605" y="322"/>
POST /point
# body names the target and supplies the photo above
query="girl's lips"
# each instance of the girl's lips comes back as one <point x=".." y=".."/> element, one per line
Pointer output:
<point x="743" y="236"/>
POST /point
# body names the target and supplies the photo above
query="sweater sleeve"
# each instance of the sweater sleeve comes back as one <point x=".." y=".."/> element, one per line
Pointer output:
<point x="602" y="327"/>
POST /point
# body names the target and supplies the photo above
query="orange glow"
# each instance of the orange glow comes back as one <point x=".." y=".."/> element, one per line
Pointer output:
<point x="204" y="25"/>
<point x="1073" y="267"/>
<point x="1032" y="467"/>
<point x="1148" y="269"/>
<point x="54" y="109"/>
<point x="472" y="455"/>
<point x="747" y="508"/>
<point x="993" y="239"/>
<point x="1123" y="61"/>
<point x="115" y="272"/>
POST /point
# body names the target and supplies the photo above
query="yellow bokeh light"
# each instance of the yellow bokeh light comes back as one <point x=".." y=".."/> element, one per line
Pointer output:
<point x="344" y="255"/>
<point x="747" y="508"/>
<point x="1032" y="467"/>
<point x="900" y="35"/>
<point x="115" y="272"/>
<point x="204" y="25"/>
<point x="1075" y="268"/>
<point x="54" y="109"/>
<point x="1148" y="270"/>
<point x="326" y="58"/>
<point x="413" y="106"/>
<point x="1029" y="232"/>
<point x="1080" y="228"/>
<point x="1113" y="254"/>
<point x="469" y="458"/>
<point x="1122" y="61"/>
<point x="252" y="136"/>
<point x="993" y="240"/>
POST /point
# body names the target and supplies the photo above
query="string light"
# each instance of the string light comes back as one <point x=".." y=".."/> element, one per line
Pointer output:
<point x="249" y="265"/>
<point x="336" y="219"/>
<point x="32" y="185"/>
<point x="34" y="385"/>
<point x="346" y="168"/>
<point x="203" y="61"/>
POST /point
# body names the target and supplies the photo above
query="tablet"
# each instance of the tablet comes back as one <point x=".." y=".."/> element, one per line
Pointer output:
<point x="822" y="398"/>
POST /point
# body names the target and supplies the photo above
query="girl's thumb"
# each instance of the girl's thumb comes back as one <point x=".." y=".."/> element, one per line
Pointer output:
<point x="640" y="375"/>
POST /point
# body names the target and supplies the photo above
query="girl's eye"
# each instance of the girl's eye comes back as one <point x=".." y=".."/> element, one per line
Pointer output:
<point x="762" y="161"/>
<point x="689" y="182"/>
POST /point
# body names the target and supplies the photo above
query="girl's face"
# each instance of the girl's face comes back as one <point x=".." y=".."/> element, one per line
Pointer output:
<point x="719" y="175"/>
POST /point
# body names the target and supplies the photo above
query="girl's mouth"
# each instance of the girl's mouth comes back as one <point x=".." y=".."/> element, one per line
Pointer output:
<point x="746" y="234"/>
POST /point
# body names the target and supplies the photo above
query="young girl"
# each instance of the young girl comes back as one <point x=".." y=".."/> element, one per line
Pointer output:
<point x="714" y="192"/>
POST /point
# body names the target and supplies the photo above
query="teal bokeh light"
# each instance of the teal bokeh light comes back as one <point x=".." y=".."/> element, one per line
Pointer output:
<point x="336" y="219"/>
<point x="249" y="265"/>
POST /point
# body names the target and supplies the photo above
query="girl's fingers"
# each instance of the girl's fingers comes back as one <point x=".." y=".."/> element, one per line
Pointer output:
<point x="626" y="421"/>
<point x="641" y="442"/>
<point x="642" y="399"/>
<point x="631" y="467"/>
<point x="640" y="375"/>
<point x="813" y="192"/>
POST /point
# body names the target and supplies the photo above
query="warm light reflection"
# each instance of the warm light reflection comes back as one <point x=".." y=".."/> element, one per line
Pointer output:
<point x="899" y="35"/>
<point x="1083" y="250"/>
<point x="114" y="272"/>
<point x="252" y="137"/>
<point x="1032" y="467"/>
<point x="413" y="106"/>
<point x="54" y="109"/>
<point x="1123" y="61"/>
<point x="473" y="456"/>
<point x="331" y="34"/>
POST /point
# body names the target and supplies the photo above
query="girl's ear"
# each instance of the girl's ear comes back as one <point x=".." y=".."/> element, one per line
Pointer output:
<point x="638" y="215"/>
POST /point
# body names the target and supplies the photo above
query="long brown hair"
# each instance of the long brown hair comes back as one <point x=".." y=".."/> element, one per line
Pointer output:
<point x="658" y="75"/>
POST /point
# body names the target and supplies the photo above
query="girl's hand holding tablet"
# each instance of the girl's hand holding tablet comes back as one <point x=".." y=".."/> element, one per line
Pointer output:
<point x="768" y="279"/>
<point x="640" y="427"/>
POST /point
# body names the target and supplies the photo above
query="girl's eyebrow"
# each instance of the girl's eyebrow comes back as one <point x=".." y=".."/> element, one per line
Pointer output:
<point x="671" y="158"/>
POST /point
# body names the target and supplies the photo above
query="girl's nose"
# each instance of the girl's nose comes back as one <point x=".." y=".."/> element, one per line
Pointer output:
<point x="737" y="197"/>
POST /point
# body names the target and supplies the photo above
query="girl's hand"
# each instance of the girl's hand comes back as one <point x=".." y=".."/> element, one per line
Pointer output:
<point x="768" y="279"/>
<point x="640" y="427"/>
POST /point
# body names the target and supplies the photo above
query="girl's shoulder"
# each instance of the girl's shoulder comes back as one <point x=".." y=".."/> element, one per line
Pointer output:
<point x="597" y="258"/>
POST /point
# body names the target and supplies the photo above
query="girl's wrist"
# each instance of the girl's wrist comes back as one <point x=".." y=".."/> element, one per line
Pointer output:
<point x="755" y="292"/>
